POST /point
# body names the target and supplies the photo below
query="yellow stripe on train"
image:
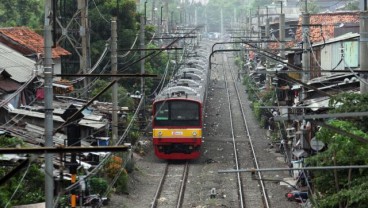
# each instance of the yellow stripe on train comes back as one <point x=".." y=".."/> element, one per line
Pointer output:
<point x="177" y="133"/>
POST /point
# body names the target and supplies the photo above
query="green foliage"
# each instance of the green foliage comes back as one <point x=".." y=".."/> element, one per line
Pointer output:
<point x="341" y="150"/>
<point x="238" y="61"/>
<point x="122" y="183"/>
<point x="251" y="90"/>
<point x="123" y="98"/>
<point x="31" y="190"/>
<point x="134" y="136"/>
<point x="22" y="13"/>
<point x="351" y="6"/>
<point x="10" y="141"/>
<point x="312" y="7"/>
<point x="351" y="102"/>
<point x="98" y="185"/>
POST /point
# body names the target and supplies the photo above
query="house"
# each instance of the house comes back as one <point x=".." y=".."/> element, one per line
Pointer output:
<point x="334" y="41"/>
<point x="31" y="44"/>
<point x="18" y="78"/>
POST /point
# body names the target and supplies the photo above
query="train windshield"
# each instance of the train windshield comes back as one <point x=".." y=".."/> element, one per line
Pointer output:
<point x="177" y="113"/>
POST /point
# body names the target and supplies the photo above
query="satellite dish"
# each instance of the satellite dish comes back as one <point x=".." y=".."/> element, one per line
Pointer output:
<point x="316" y="144"/>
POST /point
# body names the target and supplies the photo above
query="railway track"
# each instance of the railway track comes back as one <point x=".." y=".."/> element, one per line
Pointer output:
<point x="251" y="192"/>
<point x="171" y="188"/>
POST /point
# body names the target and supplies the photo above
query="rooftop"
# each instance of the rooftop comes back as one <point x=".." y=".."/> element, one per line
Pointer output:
<point x="27" y="41"/>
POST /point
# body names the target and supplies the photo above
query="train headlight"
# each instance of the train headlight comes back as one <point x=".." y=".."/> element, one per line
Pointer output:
<point x="160" y="133"/>
<point x="194" y="133"/>
<point x="190" y="147"/>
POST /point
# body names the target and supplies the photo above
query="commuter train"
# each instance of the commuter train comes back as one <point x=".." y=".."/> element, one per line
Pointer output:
<point x="178" y="111"/>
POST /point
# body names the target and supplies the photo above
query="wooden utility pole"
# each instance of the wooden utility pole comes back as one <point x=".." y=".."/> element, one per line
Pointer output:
<point x="114" y="69"/>
<point x="49" y="123"/>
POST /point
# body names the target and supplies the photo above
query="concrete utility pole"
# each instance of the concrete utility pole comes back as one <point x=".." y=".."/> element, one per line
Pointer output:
<point x="142" y="46"/>
<point x="259" y="25"/>
<point x="363" y="48"/>
<point x="166" y="16"/>
<point x="267" y="28"/>
<point x="234" y="21"/>
<point x="153" y="12"/>
<point x="85" y="63"/>
<point x="49" y="123"/>
<point x="222" y="24"/>
<point x="249" y="28"/>
<point x="282" y="32"/>
<point x="306" y="48"/>
<point x="205" y="14"/>
<point x="114" y="69"/>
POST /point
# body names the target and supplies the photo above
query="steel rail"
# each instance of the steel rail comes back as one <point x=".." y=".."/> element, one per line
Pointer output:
<point x="182" y="186"/>
<point x="183" y="180"/>
<point x="264" y="193"/>
<point x="239" y="182"/>
<point x="160" y="185"/>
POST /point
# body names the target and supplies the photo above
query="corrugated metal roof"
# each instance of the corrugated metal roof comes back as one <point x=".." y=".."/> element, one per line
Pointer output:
<point x="83" y="122"/>
<point x="19" y="67"/>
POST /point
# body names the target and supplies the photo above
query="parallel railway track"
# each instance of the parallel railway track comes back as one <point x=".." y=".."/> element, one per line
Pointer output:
<point x="251" y="192"/>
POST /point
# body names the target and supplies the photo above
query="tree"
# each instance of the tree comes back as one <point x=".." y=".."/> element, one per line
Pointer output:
<point x="341" y="187"/>
<point x="351" y="102"/>
<point x="312" y="7"/>
<point x="123" y="96"/>
<point x="351" y="5"/>
<point x="30" y="190"/>
<point x="22" y="13"/>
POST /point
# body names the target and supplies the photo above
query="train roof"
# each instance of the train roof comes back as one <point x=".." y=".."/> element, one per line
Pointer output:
<point x="190" y="80"/>
<point x="186" y="82"/>
<point x="191" y="70"/>
<point x="190" y="75"/>
<point x="180" y="92"/>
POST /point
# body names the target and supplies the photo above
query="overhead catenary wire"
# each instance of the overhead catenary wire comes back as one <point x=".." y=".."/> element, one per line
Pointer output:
<point x="120" y="141"/>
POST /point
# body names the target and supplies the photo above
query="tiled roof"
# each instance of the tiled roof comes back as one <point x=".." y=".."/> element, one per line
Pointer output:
<point x="329" y="21"/>
<point x="27" y="41"/>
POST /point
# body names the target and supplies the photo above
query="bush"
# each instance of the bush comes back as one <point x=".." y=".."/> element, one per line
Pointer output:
<point x="98" y="185"/>
<point x="122" y="183"/>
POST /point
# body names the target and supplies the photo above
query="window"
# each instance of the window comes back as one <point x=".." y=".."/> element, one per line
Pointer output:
<point x="177" y="113"/>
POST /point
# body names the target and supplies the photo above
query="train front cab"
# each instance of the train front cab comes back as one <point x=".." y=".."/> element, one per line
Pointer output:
<point x="177" y="129"/>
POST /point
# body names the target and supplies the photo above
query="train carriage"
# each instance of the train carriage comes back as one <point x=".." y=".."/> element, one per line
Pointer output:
<point x="178" y="114"/>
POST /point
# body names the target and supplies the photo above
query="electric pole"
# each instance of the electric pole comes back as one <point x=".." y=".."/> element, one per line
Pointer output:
<point x="79" y="41"/>
<point x="114" y="68"/>
<point x="85" y="63"/>
<point x="49" y="123"/>
<point x="306" y="48"/>
<point x="282" y="32"/>
<point x="142" y="46"/>
<point x="222" y="24"/>
<point x="363" y="48"/>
